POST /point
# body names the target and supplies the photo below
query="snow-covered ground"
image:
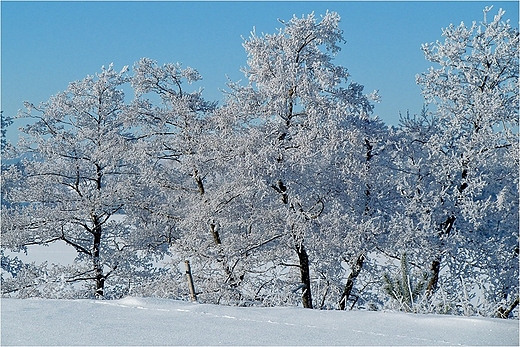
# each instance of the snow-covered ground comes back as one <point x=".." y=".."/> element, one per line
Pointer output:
<point x="152" y="322"/>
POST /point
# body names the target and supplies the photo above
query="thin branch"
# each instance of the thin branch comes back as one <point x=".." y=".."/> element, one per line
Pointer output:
<point x="294" y="265"/>
<point x="260" y="244"/>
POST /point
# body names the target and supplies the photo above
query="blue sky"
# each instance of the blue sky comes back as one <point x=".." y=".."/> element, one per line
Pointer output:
<point x="46" y="45"/>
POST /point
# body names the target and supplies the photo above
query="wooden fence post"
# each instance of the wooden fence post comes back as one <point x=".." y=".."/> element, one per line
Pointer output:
<point x="189" y="277"/>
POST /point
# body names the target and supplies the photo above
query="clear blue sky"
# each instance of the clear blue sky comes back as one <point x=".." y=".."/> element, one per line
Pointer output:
<point x="46" y="45"/>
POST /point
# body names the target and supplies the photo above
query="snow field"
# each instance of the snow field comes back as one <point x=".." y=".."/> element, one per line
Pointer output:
<point x="159" y="322"/>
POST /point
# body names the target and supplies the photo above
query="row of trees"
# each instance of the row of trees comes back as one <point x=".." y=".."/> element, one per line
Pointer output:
<point x="290" y="192"/>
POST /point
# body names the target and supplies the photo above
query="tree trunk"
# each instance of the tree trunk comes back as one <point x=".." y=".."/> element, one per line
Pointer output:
<point x="446" y="229"/>
<point x="189" y="278"/>
<point x="305" y="276"/>
<point x="434" y="279"/>
<point x="356" y="269"/>
<point x="303" y="257"/>
<point x="198" y="180"/>
<point x="96" y="247"/>
<point x="98" y="268"/>
<point x="505" y="312"/>
<point x="202" y="191"/>
<point x="215" y="234"/>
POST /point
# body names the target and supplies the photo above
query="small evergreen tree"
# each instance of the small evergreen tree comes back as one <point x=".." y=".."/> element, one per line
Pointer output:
<point x="403" y="288"/>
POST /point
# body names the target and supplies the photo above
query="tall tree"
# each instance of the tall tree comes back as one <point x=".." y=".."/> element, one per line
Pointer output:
<point x="294" y="113"/>
<point x="460" y="160"/>
<point x="194" y="187"/>
<point x="77" y="179"/>
<point x="366" y="199"/>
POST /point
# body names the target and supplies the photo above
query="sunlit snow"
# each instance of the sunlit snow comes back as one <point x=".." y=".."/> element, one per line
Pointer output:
<point x="152" y="322"/>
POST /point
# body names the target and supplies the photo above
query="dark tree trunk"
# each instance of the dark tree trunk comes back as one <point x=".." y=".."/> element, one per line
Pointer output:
<point x="96" y="259"/>
<point x="189" y="278"/>
<point x="434" y="277"/>
<point x="215" y="234"/>
<point x="446" y="229"/>
<point x="356" y="269"/>
<point x="198" y="180"/>
<point x="202" y="191"/>
<point x="232" y="279"/>
<point x="349" y="285"/>
<point x="305" y="276"/>
<point x="505" y="312"/>
<point x="303" y="257"/>
<point x="96" y="247"/>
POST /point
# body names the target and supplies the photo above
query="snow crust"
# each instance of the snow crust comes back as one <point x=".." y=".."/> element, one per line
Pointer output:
<point x="158" y="322"/>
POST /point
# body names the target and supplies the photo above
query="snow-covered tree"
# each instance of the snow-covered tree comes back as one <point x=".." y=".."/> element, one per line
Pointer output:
<point x="298" y="117"/>
<point x="194" y="187"/>
<point x="460" y="163"/>
<point x="78" y="177"/>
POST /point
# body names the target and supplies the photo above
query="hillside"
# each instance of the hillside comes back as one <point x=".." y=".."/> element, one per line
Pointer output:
<point x="154" y="322"/>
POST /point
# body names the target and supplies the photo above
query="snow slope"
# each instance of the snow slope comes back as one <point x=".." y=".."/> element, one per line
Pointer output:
<point x="145" y="322"/>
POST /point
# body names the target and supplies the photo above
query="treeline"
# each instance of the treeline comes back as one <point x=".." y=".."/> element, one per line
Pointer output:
<point x="289" y="193"/>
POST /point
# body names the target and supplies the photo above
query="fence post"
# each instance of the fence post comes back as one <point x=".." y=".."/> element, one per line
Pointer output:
<point x="189" y="277"/>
